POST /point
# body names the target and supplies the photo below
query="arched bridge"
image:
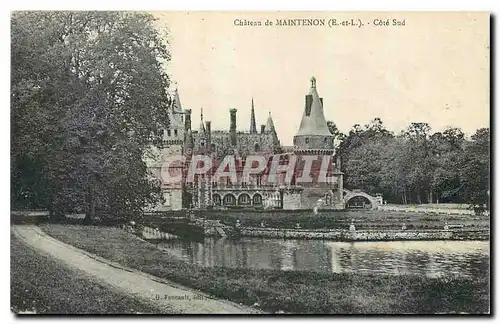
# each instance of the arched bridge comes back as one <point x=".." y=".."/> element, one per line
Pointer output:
<point x="348" y="195"/>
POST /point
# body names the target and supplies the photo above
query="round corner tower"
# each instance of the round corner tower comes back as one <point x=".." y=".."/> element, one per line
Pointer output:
<point x="313" y="133"/>
<point x="314" y="139"/>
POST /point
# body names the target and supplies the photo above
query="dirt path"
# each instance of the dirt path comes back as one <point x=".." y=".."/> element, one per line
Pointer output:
<point x="175" y="298"/>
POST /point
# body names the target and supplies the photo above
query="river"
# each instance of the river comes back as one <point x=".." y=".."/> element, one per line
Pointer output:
<point x="425" y="258"/>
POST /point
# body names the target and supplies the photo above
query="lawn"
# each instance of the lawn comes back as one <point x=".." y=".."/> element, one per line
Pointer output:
<point x="287" y="291"/>
<point x="41" y="285"/>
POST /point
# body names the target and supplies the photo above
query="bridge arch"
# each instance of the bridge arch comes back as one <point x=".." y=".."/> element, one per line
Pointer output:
<point x="348" y="195"/>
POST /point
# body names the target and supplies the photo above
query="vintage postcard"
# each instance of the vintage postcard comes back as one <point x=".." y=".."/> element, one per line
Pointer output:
<point x="250" y="162"/>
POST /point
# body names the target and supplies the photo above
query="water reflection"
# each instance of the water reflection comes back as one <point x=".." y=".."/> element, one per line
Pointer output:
<point x="429" y="258"/>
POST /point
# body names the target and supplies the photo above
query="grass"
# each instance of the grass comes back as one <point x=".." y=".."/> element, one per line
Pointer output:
<point x="40" y="285"/>
<point x="288" y="291"/>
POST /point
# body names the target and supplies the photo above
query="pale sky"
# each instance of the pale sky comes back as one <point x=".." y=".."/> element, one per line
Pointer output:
<point x="435" y="69"/>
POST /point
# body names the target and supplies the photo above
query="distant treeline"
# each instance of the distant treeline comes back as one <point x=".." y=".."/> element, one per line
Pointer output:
<point x="416" y="166"/>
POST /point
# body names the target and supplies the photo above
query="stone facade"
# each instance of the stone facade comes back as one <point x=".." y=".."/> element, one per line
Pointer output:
<point x="312" y="139"/>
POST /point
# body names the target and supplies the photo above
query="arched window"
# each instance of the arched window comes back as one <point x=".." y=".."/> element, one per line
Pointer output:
<point x="244" y="199"/>
<point x="256" y="147"/>
<point x="229" y="200"/>
<point x="216" y="199"/>
<point x="257" y="200"/>
<point x="212" y="147"/>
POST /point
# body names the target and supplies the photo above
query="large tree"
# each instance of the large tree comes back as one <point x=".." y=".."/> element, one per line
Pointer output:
<point x="418" y="155"/>
<point x="475" y="168"/>
<point x="88" y="98"/>
<point x="364" y="156"/>
<point x="447" y="149"/>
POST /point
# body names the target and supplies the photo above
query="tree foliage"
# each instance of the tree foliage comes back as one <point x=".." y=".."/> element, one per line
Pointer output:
<point x="417" y="166"/>
<point x="88" y="98"/>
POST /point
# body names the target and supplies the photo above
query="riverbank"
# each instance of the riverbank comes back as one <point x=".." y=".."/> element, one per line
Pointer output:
<point x="363" y="235"/>
<point x="443" y="209"/>
<point x="41" y="286"/>
<point x="286" y="291"/>
<point x="365" y="220"/>
<point x="336" y="226"/>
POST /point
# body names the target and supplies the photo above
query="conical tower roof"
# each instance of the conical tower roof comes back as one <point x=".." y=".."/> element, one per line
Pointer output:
<point x="313" y="120"/>
<point x="177" y="107"/>
<point x="269" y="124"/>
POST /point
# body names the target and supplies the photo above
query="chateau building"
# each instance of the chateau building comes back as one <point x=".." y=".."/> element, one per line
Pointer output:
<point x="313" y="180"/>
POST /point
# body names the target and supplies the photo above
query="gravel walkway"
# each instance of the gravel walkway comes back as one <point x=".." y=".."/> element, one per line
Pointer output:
<point x="162" y="293"/>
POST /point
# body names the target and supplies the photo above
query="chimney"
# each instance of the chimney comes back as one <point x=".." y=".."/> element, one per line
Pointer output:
<point x="188" y="135"/>
<point x="232" y="113"/>
<point x="309" y="100"/>
<point x="262" y="129"/>
<point x="208" y="130"/>
<point x="232" y="127"/>
<point x="187" y="120"/>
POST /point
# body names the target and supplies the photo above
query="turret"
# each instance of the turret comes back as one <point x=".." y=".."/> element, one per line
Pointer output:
<point x="269" y="129"/>
<point x="175" y="115"/>
<point x="269" y="124"/>
<point x="313" y="132"/>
